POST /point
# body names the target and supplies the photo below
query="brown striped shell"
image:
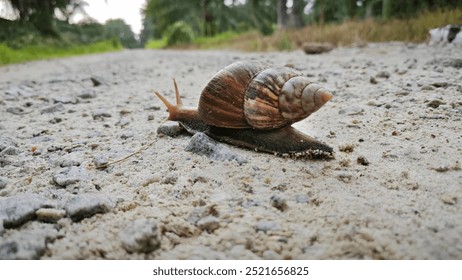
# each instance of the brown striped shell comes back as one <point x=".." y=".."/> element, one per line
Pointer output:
<point x="256" y="95"/>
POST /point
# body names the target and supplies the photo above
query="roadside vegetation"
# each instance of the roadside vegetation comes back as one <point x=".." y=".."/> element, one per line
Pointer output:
<point x="42" y="29"/>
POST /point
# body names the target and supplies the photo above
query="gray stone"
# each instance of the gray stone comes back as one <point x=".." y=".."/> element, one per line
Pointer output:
<point x="265" y="226"/>
<point x="18" y="91"/>
<point x="100" y="160"/>
<point x="362" y="160"/>
<point x="87" y="94"/>
<point x="3" y="182"/>
<point x="18" y="209"/>
<point x="278" y="202"/>
<point x="203" y="145"/>
<point x="447" y="62"/>
<point x="302" y="198"/>
<point x="65" y="99"/>
<point x="16" y="110"/>
<point x="435" y="103"/>
<point x="97" y="81"/>
<point x="70" y="159"/>
<point x="10" y="151"/>
<point x="170" y="128"/>
<point x="28" y="244"/>
<point x="86" y="205"/>
<point x="383" y="74"/>
<point x="52" y="109"/>
<point x="6" y="141"/>
<point x="69" y="175"/>
<point x="141" y="236"/>
<point x="101" y="114"/>
<point x="126" y="134"/>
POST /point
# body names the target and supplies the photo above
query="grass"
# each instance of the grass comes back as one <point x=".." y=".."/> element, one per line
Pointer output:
<point x="42" y="51"/>
<point x="219" y="41"/>
<point x="347" y="33"/>
<point x="350" y="32"/>
<point x="344" y="34"/>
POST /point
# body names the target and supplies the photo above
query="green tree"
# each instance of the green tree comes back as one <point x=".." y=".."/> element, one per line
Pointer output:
<point x="209" y="17"/>
<point x="39" y="13"/>
<point x="118" y="28"/>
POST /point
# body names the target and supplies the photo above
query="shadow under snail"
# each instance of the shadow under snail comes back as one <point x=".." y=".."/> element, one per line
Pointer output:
<point x="252" y="104"/>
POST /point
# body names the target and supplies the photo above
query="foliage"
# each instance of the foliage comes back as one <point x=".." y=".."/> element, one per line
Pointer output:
<point x="208" y="17"/>
<point x="40" y="13"/>
<point x="325" y="11"/>
<point x="203" y="42"/>
<point x="350" y="32"/>
<point x="179" y="33"/>
<point x="9" y="55"/>
<point x="38" y="22"/>
<point x="118" y="28"/>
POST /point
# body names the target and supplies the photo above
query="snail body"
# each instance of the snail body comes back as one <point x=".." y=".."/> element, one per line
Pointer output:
<point x="252" y="105"/>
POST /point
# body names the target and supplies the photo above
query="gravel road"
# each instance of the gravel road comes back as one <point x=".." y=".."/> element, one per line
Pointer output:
<point x="393" y="190"/>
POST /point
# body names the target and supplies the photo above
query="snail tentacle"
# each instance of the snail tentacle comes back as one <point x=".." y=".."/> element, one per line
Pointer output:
<point x="178" y="112"/>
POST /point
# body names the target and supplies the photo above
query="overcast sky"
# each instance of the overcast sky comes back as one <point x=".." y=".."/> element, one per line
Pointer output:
<point x="129" y="10"/>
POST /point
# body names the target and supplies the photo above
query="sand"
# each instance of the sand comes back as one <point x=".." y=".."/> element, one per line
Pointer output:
<point x="393" y="190"/>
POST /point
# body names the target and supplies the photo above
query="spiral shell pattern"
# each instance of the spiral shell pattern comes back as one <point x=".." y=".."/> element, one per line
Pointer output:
<point x="256" y="95"/>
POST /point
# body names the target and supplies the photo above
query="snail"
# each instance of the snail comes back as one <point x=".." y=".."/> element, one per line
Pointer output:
<point x="252" y="105"/>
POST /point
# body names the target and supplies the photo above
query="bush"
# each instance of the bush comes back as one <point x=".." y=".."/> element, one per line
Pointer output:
<point x="179" y="33"/>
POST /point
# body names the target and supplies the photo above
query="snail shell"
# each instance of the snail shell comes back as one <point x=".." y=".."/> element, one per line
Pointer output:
<point x="256" y="95"/>
<point x="252" y="105"/>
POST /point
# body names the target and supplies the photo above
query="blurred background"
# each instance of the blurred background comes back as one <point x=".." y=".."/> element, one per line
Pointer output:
<point x="31" y="29"/>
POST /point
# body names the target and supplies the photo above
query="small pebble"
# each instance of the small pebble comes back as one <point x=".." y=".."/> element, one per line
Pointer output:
<point x="442" y="168"/>
<point x="347" y="148"/>
<point x="435" y="103"/>
<point x="65" y="99"/>
<point x="279" y="203"/>
<point x="69" y="175"/>
<point x="100" y="160"/>
<point x="302" y="198"/>
<point x="97" y="81"/>
<point x="17" y="209"/>
<point x="373" y="80"/>
<point x="266" y="226"/>
<point x="170" y="128"/>
<point x="3" y="182"/>
<point x="127" y="134"/>
<point x="53" y="109"/>
<point x="427" y="87"/>
<point x="449" y="199"/>
<point x="87" y="94"/>
<point x="6" y="141"/>
<point x="50" y="215"/>
<point x="10" y="151"/>
<point x="55" y="120"/>
<point x="209" y="223"/>
<point x="86" y="205"/>
<point x="201" y="144"/>
<point x="362" y="160"/>
<point x="440" y="84"/>
<point x="383" y="74"/>
<point x="16" y="110"/>
<point x="140" y="236"/>
<point x="101" y="114"/>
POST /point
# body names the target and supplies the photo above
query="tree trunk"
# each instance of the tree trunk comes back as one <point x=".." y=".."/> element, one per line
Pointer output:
<point x="282" y="14"/>
<point x="297" y="13"/>
<point x="386" y="9"/>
